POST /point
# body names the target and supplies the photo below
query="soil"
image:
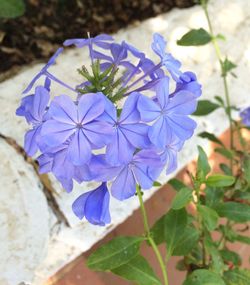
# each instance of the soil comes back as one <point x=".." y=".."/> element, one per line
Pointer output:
<point x="46" y="24"/>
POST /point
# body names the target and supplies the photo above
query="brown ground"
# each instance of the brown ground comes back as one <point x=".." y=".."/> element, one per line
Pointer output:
<point x="46" y="24"/>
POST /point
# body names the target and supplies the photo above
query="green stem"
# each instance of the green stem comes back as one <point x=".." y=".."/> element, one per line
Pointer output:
<point x="149" y="237"/>
<point x="224" y="76"/>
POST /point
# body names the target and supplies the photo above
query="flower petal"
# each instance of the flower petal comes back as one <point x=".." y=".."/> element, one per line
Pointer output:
<point x="30" y="143"/>
<point x="124" y="186"/>
<point x="41" y="100"/>
<point x="136" y="134"/>
<point x="148" y="109"/>
<point x="120" y="151"/>
<point x="90" y="106"/>
<point x="64" y="110"/>
<point x="130" y="114"/>
<point x="162" y="92"/>
<point x="55" y="133"/>
<point x="79" y="151"/>
<point x="160" y="133"/>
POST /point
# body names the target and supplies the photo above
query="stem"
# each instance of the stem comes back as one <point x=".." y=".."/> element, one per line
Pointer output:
<point x="149" y="237"/>
<point x="224" y="76"/>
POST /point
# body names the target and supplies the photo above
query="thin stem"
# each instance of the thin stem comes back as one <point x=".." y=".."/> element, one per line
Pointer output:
<point x="225" y="83"/>
<point x="150" y="238"/>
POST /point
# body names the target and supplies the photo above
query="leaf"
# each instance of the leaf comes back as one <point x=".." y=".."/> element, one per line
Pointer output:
<point x="187" y="241"/>
<point x="211" y="137"/>
<point x="209" y="217"/>
<point x="234" y="211"/>
<point x="176" y="184"/>
<point x="138" y="270"/>
<point x="219" y="180"/>
<point x="114" y="253"/>
<point x="243" y="239"/>
<point x="237" y="277"/>
<point x="230" y="256"/>
<point x="225" y="152"/>
<point x="205" y="107"/>
<point x="227" y="66"/>
<point x="203" y="165"/>
<point x="11" y="8"/>
<point x="182" y="198"/>
<point x="157" y="231"/>
<point x="213" y="196"/>
<point x="204" y="277"/>
<point x="157" y="184"/>
<point x="195" y="38"/>
<point x="226" y="169"/>
<point x="174" y="224"/>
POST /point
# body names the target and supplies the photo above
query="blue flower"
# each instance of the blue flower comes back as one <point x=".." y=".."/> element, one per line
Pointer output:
<point x="245" y="116"/>
<point x="143" y="169"/>
<point x="171" y="64"/>
<point x="189" y="83"/>
<point x="33" y="108"/>
<point x="94" y="206"/>
<point x="169" y="115"/>
<point x="128" y="132"/>
<point x="77" y="123"/>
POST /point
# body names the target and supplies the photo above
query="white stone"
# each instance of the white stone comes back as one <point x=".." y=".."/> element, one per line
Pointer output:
<point x="232" y="18"/>
<point x="24" y="219"/>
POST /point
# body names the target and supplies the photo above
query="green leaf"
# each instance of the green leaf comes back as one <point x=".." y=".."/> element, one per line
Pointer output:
<point x="237" y="277"/>
<point x="204" y="277"/>
<point x="205" y="107"/>
<point x="225" y="152"/>
<point x="230" y="256"/>
<point x="209" y="217"/>
<point x="114" y="253"/>
<point x="176" y="184"/>
<point x="203" y="165"/>
<point x="226" y="169"/>
<point x="187" y="241"/>
<point x="11" y="8"/>
<point x="213" y="196"/>
<point x="174" y="224"/>
<point x="157" y="184"/>
<point x="157" y="231"/>
<point x="234" y="211"/>
<point x="219" y="180"/>
<point x="194" y="37"/>
<point x="138" y="270"/>
<point x="227" y="66"/>
<point x="211" y="137"/>
<point x="243" y="239"/>
<point x="182" y="198"/>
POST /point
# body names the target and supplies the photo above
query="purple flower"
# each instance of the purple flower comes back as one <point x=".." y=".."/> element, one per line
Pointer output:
<point x="171" y="64"/>
<point x="142" y="169"/>
<point x="128" y="132"/>
<point x="245" y="116"/>
<point x="170" y="115"/>
<point x="33" y="108"/>
<point x="169" y="155"/>
<point x="43" y="71"/>
<point x="56" y="160"/>
<point x="94" y="206"/>
<point x="77" y="124"/>
<point x="189" y="83"/>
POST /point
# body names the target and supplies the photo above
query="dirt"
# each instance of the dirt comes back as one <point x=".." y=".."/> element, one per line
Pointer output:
<point x="46" y="24"/>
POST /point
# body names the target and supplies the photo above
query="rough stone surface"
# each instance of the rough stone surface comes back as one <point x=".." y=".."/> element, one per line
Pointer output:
<point x="24" y="218"/>
<point x="232" y="18"/>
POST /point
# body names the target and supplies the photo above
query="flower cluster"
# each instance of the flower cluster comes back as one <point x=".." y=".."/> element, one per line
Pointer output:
<point x="123" y="127"/>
